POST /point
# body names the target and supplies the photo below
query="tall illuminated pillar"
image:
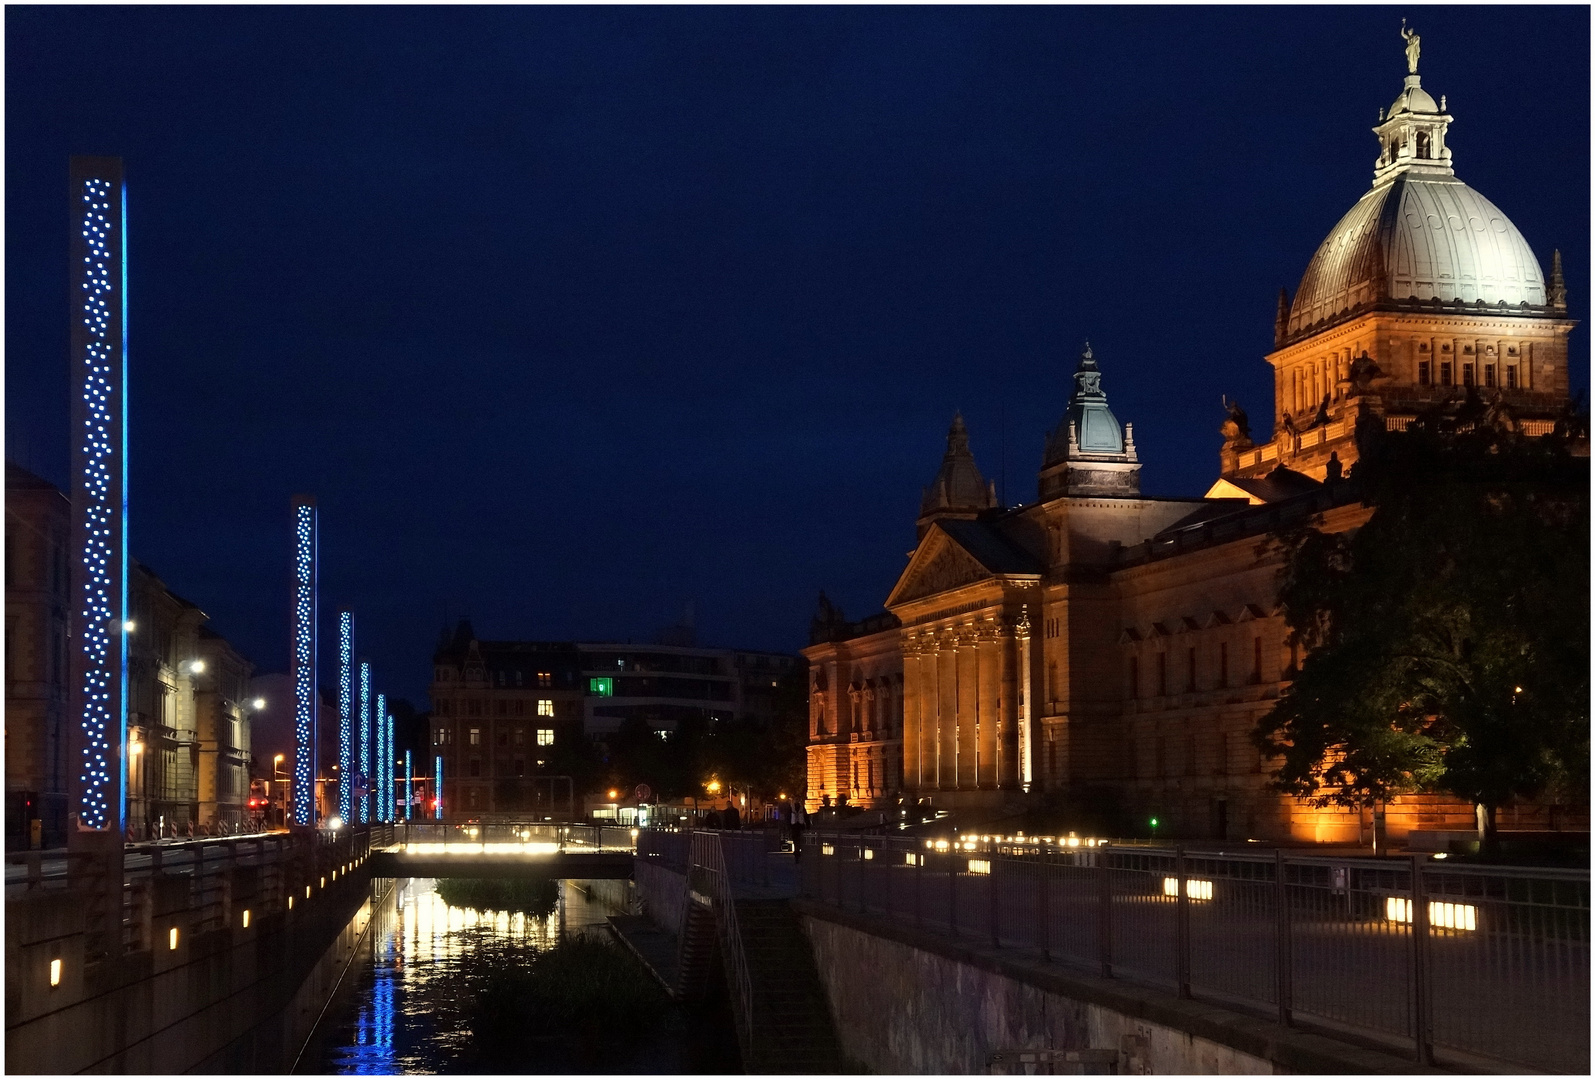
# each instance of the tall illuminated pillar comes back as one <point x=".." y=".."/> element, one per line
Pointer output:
<point x="437" y="787"/>
<point x="391" y="761"/>
<point x="98" y="664"/>
<point x="304" y="660"/>
<point x="345" y="716"/>
<point x="363" y="807"/>
<point x="409" y="788"/>
<point x="379" y="812"/>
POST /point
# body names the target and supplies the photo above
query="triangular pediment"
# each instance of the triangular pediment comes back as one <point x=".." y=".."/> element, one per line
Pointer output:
<point x="940" y="564"/>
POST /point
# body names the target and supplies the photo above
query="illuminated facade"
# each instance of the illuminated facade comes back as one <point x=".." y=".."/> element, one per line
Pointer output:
<point x="98" y="267"/>
<point x="380" y="780"/>
<point x="345" y="716"/>
<point x="1119" y="649"/>
<point x="303" y="669"/>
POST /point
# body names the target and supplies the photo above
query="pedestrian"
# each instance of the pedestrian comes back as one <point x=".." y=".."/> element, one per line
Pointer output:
<point x="800" y="822"/>
<point x="733" y="820"/>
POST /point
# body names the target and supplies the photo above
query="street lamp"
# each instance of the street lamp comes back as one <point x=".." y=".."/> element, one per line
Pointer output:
<point x="258" y="703"/>
<point x="276" y="767"/>
<point x="196" y="666"/>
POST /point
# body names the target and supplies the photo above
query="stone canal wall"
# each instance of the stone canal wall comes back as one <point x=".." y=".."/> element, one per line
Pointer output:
<point x="904" y="1001"/>
<point x="234" y="999"/>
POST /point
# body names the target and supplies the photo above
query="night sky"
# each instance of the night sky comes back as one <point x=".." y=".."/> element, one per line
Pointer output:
<point x="569" y="316"/>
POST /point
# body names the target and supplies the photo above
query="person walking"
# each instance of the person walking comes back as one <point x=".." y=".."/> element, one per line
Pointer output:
<point x="800" y="823"/>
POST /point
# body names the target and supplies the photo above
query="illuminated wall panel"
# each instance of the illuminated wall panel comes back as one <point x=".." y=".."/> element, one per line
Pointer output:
<point x="437" y="787"/>
<point x="303" y="656"/>
<point x="345" y="717"/>
<point x="363" y="805"/>
<point x="379" y="812"/>
<point x="98" y="667"/>
<point x="391" y="760"/>
<point x="409" y="788"/>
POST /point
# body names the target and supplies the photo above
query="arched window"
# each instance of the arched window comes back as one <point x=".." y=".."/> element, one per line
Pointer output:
<point x="1423" y="144"/>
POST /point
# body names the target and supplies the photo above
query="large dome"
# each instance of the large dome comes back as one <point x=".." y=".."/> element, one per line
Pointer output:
<point x="1418" y="241"/>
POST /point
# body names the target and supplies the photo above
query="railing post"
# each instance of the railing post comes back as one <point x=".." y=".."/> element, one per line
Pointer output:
<point x="1420" y="964"/>
<point x="1044" y="930"/>
<point x="919" y="876"/>
<point x="991" y="893"/>
<point x="1182" y="924"/>
<point x="952" y="896"/>
<point x="1104" y="913"/>
<point x="1282" y="943"/>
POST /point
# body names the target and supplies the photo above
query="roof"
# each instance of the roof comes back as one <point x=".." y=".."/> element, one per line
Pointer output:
<point x="20" y="479"/>
<point x="1282" y="483"/>
<point x="991" y="548"/>
<point x="958" y="485"/>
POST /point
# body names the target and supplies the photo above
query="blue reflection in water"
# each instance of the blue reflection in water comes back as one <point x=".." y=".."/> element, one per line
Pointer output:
<point x="410" y="1013"/>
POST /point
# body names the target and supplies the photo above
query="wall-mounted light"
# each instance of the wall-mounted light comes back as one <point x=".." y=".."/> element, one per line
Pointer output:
<point x="55" y="972"/>
<point x="129" y="626"/>
<point x="257" y="703"/>
<point x="196" y="666"/>
<point x="246" y="918"/>
<point x="171" y="938"/>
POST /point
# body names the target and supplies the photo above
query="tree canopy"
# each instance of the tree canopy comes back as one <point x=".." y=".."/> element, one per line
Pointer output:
<point x="1447" y="638"/>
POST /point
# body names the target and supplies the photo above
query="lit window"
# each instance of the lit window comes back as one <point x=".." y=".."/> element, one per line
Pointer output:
<point x="476" y="736"/>
<point x="545" y="736"/>
<point x="980" y="866"/>
<point x="601" y="687"/>
<point x="545" y="707"/>
<point x="545" y="678"/>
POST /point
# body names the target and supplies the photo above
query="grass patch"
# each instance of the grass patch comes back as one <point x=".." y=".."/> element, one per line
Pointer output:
<point x="534" y="896"/>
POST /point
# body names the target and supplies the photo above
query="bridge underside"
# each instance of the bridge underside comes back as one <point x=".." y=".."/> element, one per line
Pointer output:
<point x="593" y="865"/>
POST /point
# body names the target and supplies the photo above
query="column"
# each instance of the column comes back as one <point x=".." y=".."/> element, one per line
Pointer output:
<point x="911" y="724"/>
<point x="968" y="669"/>
<point x="1027" y="706"/>
<point x="989" y="669"/>
<point x="946" y="715"/>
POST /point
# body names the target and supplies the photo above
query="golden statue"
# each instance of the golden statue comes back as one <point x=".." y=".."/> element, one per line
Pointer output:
<point x="1411" y="38"/>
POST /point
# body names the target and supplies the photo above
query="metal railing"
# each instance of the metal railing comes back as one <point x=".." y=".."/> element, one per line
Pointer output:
<point x="204" y="885"/>
<point x="1478" y="963"/>
<point x="504" y="835"/>
<point x="710" y="871"/>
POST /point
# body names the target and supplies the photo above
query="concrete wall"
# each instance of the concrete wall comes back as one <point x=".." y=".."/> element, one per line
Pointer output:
<point x="663" y="894"/>
<point x="907" y="1002"/>
<point x="232" y="1000"/>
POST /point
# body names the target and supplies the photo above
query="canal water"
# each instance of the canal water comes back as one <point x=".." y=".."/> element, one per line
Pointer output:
<point x="429" y="996"/>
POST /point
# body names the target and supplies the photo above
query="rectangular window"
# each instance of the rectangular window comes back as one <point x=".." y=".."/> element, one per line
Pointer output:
<point x="1162" y="673"/>
<point x="545" y="708"/>
<point x="1489" y="375"/>
<point x="1223" y="664"/>
<point x="1445" y="373"/>
<point x="1511" y="376"/>
<point x="1135" y="678"/>
<point x="476" y="767"/>
<point x="520" y="766"/>
<point x="476" y="736"/>
<point x="520" y="707"/>
<point x="601" y="687"/>
<point x="1467" y="374"/>
<point x="545" y="678"/>
<point x="501" y="707"/>
<point x="503" y="738"/>
<point x="1190" y="668"/>
<point x="1257" y="659"/>
<point x="545" y="736"/>
<point x="1423" y="373"/>
<point x="520" y="736"/>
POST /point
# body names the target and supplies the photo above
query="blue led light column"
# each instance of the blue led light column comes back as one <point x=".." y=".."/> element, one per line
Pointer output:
<point x="409" y="788"/>
<point x="98" y="666"/>
<point x="345" y="715"/>
<point x="303" y="663"/>
<point x="379" y="812"/>
<point x="363" y="807"/>
<point x="437" y="787"/>
<point x="389" y="790"/>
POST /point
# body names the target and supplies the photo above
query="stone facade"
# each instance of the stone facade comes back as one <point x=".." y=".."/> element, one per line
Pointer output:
<point x="1123" y="647"/>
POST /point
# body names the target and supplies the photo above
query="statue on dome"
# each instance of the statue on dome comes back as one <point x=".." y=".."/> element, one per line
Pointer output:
<point x="1236" y="427"/>
<point x="1411" y="38"/>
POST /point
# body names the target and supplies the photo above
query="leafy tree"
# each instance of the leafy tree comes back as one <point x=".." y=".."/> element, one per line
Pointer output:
<point x="1448" y="637"/>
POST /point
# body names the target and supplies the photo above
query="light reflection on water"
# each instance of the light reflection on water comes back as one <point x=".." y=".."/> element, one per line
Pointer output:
<point x="411" y="1013"/>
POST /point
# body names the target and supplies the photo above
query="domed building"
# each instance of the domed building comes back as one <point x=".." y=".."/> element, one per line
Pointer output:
<point x="1423" y="289"/>
<point x="1117" y="650"/>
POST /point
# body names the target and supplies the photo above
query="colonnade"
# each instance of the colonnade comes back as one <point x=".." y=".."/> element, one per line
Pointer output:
<point x="963" y="705"/>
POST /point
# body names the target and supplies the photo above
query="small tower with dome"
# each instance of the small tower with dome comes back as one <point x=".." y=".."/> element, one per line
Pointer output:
<point x="1089" y="453"/>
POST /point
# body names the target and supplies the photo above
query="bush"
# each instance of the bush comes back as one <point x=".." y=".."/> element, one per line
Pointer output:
<point x="534" y="896"/>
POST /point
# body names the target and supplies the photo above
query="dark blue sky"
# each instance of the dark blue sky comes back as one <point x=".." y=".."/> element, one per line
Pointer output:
<point x="571" y="315"/>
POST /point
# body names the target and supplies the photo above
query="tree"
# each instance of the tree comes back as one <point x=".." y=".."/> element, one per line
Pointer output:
<point x="1448" y="637"/>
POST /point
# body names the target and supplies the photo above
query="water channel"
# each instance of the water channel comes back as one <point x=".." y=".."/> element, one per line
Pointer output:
<point x="444" y="988"/>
